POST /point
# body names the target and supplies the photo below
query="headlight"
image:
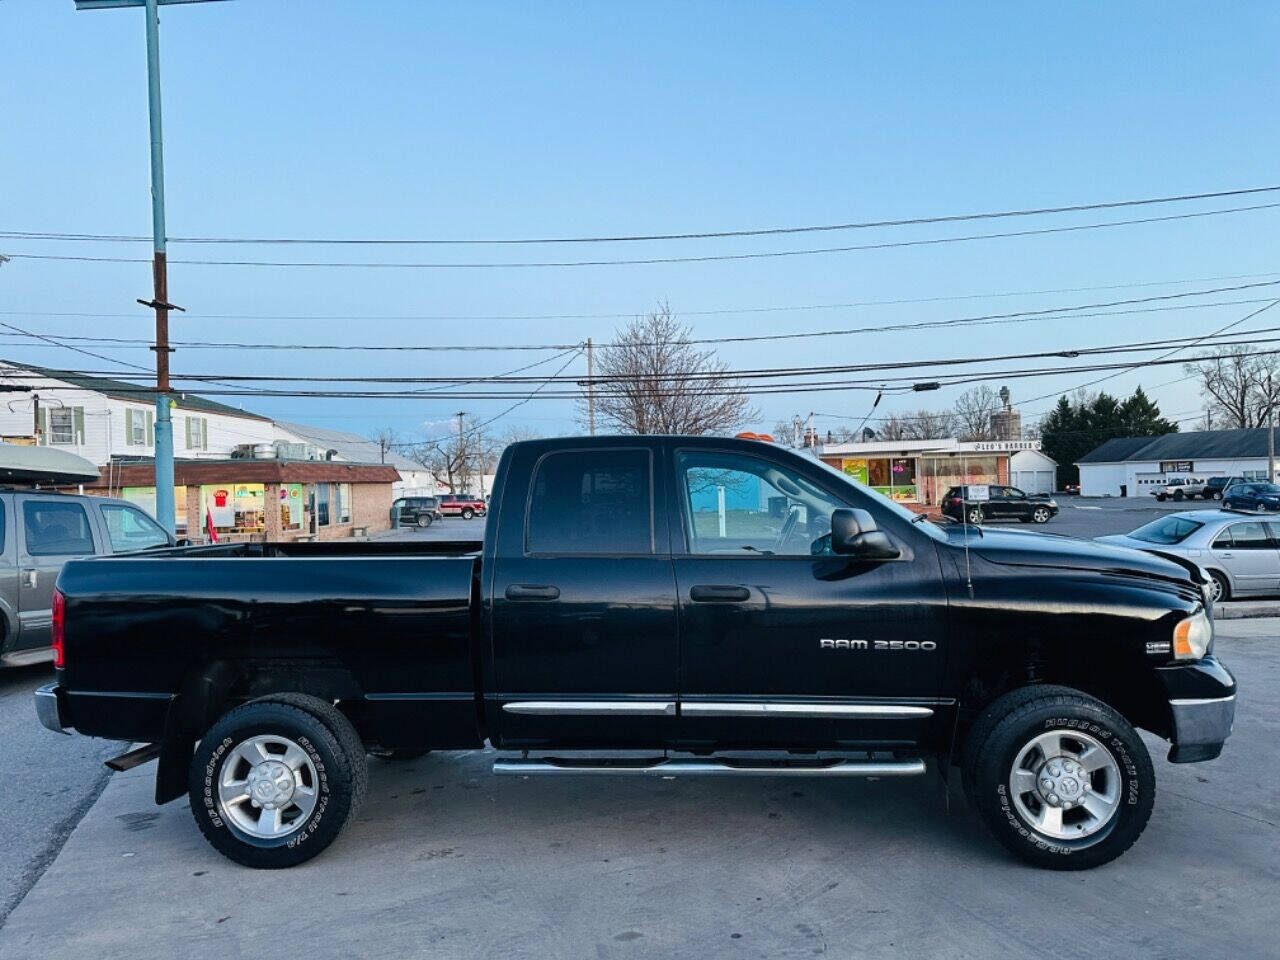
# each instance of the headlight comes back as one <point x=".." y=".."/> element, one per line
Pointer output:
<point x="1193" y="637"/>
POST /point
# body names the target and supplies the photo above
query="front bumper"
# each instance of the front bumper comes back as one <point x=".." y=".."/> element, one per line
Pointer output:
<point x="1202" y="707"/>
<point x="51" y="708"/>
<point x="1200" y="728"/>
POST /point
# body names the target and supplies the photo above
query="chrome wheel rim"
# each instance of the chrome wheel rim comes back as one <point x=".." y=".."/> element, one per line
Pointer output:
<point x="1065" y="785"/>
<point x="268" y="787"/>
<point x="975" y="516"/>
<point x="1215" y="588"/>
<point x="1042" y="515"/>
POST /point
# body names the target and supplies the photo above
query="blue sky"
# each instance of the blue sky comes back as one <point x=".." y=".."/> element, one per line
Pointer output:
<point x="408" y="118"/>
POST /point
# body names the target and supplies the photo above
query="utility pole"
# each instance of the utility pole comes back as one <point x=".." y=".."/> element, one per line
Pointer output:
<point x="591" y="390"/>
<point x="159" y="270"/>
<point x="462" y="450"/>
<point x="1271" y="433"/>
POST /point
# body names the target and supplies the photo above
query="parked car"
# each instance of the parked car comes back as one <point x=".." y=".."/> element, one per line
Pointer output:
<point x="39" y="532"/>
<point x="416" y="511"/>
<point x="691" y="601"/>
<point x="462" y="505"/>
<point x="1002" y="503"/>
<point x="1252" y="496"/>
<point x="1180" y="488"/>
<point x="1240" y="554"/>
<point x="1216" y="487"/>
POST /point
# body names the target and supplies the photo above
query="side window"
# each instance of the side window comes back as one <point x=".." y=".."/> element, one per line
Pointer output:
<point x="591" y="502"/>
<point x="131" y="529"/>
<point x="56" y="529"/>
<point x="1013" y="493"/>
<point x="745" y="506"/>
<point x="1250" y="536"/>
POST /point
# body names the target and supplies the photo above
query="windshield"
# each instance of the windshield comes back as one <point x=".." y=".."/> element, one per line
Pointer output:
<point x="1166" y="530"/>
<point x="890" y="505"/>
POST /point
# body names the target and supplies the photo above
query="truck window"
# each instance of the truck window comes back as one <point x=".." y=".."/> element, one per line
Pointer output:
<point x="131" y="529"/>
<point x="56" y="529"/>
<point x="591" y="503"/>
<point x="746" y="506"/>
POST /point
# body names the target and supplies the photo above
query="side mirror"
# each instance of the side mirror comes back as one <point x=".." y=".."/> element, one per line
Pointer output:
<point x="183" y="542"/>
<point x="854" y="534"/>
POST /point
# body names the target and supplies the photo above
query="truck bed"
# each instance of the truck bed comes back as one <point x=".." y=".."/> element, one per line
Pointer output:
<point x="385" y="626"/>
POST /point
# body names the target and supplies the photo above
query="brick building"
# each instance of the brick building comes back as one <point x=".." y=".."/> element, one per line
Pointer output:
<point x="265" y="499"/>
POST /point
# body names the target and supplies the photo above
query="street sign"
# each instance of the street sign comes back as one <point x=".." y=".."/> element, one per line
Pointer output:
<point x="108" y="4"/>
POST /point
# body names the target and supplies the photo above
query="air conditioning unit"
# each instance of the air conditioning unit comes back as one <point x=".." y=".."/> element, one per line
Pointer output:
<point x="242" y="451"/>
<point x="286" y="450"/>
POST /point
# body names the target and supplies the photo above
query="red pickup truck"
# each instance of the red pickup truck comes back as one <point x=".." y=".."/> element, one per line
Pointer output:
<point x="462" y="505"/>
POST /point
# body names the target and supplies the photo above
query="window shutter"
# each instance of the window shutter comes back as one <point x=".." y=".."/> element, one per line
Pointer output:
<point x="77" y="414"/>
<point x="204" y="434"/>
<point x="151" y="429"/>
<point x="128" y="426"/>
<point x="188" y="423"/>
<point x="44" y="425"/>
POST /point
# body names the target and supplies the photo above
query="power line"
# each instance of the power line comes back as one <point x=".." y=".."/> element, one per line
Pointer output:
<point x="627" y="238"/>
<point x="649" y="261"/>
<point x="980" y="319"/>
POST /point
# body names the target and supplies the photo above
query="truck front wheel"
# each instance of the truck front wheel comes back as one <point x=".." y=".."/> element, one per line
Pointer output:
<point x="275" y="781"/>
<point x="1060" y="778"/>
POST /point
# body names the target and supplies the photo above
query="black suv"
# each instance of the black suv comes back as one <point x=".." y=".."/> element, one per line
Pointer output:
<point x="416" y="511"/>
<point x="1215" y="487"/>
<point x="1001" y="503"/>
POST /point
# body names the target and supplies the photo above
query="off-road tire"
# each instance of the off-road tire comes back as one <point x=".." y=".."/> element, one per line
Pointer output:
<point x="1000" y="732"/>
<point x="333" y="747"/>
<point x="1178" y="495"/>
<point x="1162" y="497"/>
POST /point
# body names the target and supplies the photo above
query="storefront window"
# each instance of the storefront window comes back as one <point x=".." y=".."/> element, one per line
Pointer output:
<point x="235" y="507"/>
<point x="291" y="506"/>
<point x="322" y="504"/>
<point x="895" y="477"/>
<point x="145" y="497"/>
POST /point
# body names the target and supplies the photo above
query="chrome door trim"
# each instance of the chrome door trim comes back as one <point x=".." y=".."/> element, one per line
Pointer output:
<point x="591" y="708"/>
<point x="804" y="711"/>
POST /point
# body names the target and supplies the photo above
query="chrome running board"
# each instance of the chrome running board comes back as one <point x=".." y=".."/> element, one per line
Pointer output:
<point x="659" y="767"/>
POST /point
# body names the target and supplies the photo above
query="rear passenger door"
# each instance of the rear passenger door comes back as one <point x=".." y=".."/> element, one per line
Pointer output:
<point x="1249" y="554"/>
<point x="51" y="530"/>
<point x="583" y="603"/>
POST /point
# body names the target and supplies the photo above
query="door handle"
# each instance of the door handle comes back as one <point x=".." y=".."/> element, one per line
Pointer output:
<point x="532" y="591"/>
<point x="718" y="593"/>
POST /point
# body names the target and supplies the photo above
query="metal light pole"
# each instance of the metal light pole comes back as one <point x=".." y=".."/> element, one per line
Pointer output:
<point x="160" y="276"/>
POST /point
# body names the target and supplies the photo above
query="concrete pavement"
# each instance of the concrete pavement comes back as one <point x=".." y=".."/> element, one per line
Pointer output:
<point x="47" y="782"/>
<point x="449" y="861"/>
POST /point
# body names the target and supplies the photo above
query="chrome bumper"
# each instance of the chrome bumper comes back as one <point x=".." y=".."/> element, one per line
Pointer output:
<point x="1200" y="727"/>
<point x="49" y="708"/>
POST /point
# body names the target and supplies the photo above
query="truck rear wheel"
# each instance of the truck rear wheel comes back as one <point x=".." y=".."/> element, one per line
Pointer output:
<point x="275" y="781"/>
<point x="424" y="520"/>
<point x="1060" y="778"/>
<point x="468" y="513"/>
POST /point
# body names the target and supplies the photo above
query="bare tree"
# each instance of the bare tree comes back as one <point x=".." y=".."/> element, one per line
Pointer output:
<point x="1241" y="386"/>
<point x="387" y="440"/>
<point x="895" y="427"/>
<point x="456" y="459"/>
<point x="651" y="379"/>
<point x="931" y="424"/>
<point x="973" y="413"/>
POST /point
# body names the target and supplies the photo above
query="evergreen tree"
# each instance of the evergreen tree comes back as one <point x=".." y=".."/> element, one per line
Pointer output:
<point x="1071" y="430"/>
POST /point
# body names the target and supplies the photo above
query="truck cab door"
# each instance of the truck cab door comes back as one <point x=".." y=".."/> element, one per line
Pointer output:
<point x="583" y="612"/>
<point x="51" y="530"/>
<point x="782" y="642"/>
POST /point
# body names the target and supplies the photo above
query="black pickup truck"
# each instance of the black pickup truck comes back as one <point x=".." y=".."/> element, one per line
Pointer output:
<point x="652" y="606"/>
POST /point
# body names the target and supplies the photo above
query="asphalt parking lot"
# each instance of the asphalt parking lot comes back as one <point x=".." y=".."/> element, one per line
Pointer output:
<point x="447" y="860"/>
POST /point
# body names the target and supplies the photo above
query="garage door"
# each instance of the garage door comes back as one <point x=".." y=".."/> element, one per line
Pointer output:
<point x="1034" y="481"/>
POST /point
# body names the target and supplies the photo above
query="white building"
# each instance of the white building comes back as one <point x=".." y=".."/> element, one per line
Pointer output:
<point x="1138" y="466"/>
<point x="103" y="420"/>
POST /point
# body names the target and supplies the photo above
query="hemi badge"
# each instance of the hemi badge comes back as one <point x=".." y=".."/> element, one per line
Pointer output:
<point x="1159" y="646"/>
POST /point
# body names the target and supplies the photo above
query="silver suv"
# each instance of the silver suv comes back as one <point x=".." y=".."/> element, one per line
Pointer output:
<point x="41" y="531"/>
<point x="1180" y="488"/>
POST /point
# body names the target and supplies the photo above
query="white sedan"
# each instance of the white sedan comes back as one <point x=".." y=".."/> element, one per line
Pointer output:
<point x="1241" y="552"/>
